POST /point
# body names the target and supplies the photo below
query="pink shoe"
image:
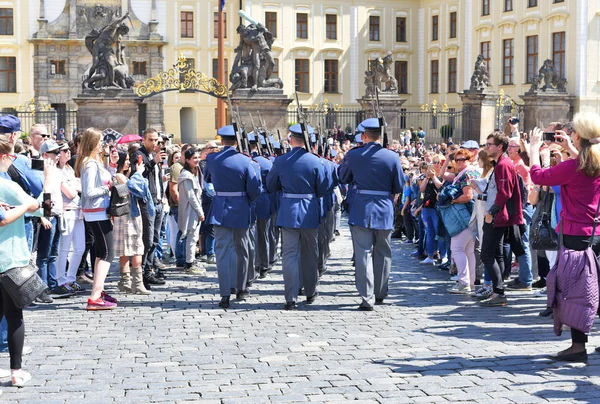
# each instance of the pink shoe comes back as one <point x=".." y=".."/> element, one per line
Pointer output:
<point x="100" y="304"/>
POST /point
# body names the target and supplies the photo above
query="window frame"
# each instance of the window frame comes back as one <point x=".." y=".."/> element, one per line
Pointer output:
<point x="532" y="3"/>
<point x="453" y="25"/>
<point x="11" y="74"/>
<point x="452" y="75"/>
<point x="485" y="7"/>
<point x="275" y="72"/>
<point x="301" y="26"/>
<point x="331" y="76"/>
<point x="508" y="6"/>
<point x="59" y="66"/>
<point x="434" y="77"/>
<point x="401" y="29"/>
<point x="301" y="75"/>
<point x="269" y="21"/>
<point x="531" y="57"/>
<point x="560" y="68"/>
<point x="510" y="58"/>
<point x="435" y="26"/>
<point x="215" y="70"/>
<point x="186" y="24"/>
<point x="331" y="27"/>
<point x="374" y="28"/>
<point x="7" y="22"/>
<point x="216" y="25"/>
<point x="401" y="75"/>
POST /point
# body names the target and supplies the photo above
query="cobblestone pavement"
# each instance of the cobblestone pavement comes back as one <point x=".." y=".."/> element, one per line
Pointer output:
<point x="423" y="346"/>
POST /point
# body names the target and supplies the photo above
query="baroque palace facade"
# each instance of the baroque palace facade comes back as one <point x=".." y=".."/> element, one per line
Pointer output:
<point x="321" y="49"/>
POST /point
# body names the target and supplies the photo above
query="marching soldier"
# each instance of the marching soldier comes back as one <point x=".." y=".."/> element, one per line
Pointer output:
<point x="377" y="175"/>
<point x="300" y="176"/>
<point x="236" y="186"/>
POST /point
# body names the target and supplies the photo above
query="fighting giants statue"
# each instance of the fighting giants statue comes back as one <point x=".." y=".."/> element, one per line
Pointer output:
<point x="379" y="72"/>
<point x="253" y="63"/>
<point x="109" y="69"/>
<point x="547" y="79"/>
<point x="480" y="80"/>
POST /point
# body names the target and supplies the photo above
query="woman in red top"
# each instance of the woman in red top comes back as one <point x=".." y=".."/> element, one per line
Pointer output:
<point x="579" y="181"/>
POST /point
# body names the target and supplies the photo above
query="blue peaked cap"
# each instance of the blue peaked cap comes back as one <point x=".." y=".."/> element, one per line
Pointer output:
<point x="358" y="138"/>
<point x="296" y="130"/>
<point x="252" y="137"/>
<point x="360" y="128"/>
<point x="226" y="131"/>
<point x="371" y="123"/>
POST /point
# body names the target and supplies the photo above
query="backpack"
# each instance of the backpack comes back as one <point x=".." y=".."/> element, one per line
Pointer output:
<point x="119" y="201"/>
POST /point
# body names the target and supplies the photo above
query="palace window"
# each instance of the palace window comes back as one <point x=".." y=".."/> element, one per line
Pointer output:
<point x="187" y="24"/>
<point x="302" y="75"/>
<point x="453" y="25"/>
<point x="532" y="57"/>
<point x="331" y="75"/>
<point x="485" y="7"/>
<point x="508" y="61"/>
<point x="331" y="26"/>
<point x="215" y="69"/>
<point x="140" y="69"/>
<point x="452" y="75"/>
<point x="57" y="67"/>
<point x="558" y="53"/>
<point x="216" y="25"/>
<point x="400" y="29"/>
<point x="271" y="22"/>
<point x="6" y="21"/>
<point x="374" y="28"/>
<point x="8" y="74"/>
<point x="485" y="50"/>
<point x="302" y="25"/>
<point x="434" y="28"/>
<point x="508" y="5"/>
<point x="435" y="76"/>
<point x="275" y="73"/>
<point x="401" y="73"/>
<point x="532" y="3"/>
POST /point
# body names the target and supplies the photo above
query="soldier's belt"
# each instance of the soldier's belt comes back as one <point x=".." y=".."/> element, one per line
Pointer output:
<point x="230" y="194"/>
<point x="373" y="192"/>
<point x="298" y="196"/>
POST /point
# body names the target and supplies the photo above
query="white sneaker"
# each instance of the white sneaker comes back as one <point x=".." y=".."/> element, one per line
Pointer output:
<point x="454" y="278"/>
<point x="541" y="292"/>
<point x="4" y="373"/>
<point x="460" y="289"/>
<point x="20" y="377"/>
<point x="444" y="261"/>
<point x="427" y="261"/>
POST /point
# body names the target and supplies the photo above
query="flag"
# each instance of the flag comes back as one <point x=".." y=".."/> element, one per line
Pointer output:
<point x="221" y="5"/>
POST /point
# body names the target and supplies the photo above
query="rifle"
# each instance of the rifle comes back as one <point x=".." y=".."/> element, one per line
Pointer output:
<point x="254" y="129"/>
<point x="234" y="122"/>
<point x="280" y="143"/>
<point x="266" y="134"/>
<point x="381" y="118"/>
<point x="245" y="146"/>
<point x="302" y="124"/>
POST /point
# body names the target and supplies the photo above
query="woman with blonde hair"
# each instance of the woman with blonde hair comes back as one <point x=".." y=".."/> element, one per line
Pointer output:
<point x="575" y="274"/>
<point x="96" y="183"/>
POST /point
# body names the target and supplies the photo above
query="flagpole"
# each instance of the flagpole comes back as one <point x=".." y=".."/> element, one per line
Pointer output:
<point x="221" y="119"/>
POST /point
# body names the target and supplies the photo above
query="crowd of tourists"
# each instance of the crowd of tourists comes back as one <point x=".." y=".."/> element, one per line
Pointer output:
<point x="68" y="209"/>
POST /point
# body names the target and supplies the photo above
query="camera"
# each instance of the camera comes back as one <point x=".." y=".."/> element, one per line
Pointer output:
<point x="37" y="164"/>
<point x="549" y="136"/>
<point x="482" y="197"/>
<point x="514" y="120"/>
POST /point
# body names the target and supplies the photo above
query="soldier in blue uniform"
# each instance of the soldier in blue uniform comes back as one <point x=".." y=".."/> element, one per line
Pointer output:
<point x="236" y="185"/>
<point x="262" y="207"/>
<point x="300" y="176"/>
<point x="377" y="175"/>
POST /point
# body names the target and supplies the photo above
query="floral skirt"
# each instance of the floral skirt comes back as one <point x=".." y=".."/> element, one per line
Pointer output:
<point x="127" y="233"/>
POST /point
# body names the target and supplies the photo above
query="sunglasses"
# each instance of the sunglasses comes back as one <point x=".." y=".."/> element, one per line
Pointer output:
<point x="45" y="135"/>
<point x="460" y="159"/>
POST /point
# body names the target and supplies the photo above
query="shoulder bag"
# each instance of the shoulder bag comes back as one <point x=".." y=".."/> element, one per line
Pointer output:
<point x="543" y="236"/>
<point x="23" y="284"/>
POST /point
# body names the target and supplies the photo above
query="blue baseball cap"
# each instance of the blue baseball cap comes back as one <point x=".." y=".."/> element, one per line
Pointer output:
<point x="9" y="124"/>
<point x="470" y="144"/>
<point x="226" y="131"/>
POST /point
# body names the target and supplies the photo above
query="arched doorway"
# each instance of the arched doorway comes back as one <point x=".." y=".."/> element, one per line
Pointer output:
<point x="187" y="123"/>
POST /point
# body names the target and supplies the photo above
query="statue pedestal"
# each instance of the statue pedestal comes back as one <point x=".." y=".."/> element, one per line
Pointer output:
<point x="482" y="104"/>
<point x="543" y="107"/>
<point x="116" y="109"/>
<point x="390" y="104"/>
<point x="270" y="102"/>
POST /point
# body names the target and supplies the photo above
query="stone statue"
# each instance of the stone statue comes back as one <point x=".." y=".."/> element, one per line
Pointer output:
<point x="253" y="63"/>
<point x="547" y="79"/>
<point x="480" y="80"/>
<point x="380" y="72"/>
<point x="109" y="69"/>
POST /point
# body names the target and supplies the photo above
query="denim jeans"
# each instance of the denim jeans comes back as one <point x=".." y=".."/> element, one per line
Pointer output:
<point x="47" y="253"/>
<point x="3" y="335"/>
<point x="209" y="245"/>
<point x="421" y="230"/>
<point x="158" y="252"/>
<point x="179" y="244"/>
<point x="29" y="233"/>
<point x="430" y="221"/>
<point x="525" y="273"/>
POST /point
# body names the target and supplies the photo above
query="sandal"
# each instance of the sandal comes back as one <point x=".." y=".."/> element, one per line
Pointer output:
<point x="20" y="377"/>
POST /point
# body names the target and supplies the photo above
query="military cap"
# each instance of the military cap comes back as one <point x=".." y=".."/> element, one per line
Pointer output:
<point x="296" y="130"/>
<point x="358" y="138"/>
<point x="252" y="137"/>
<point x="370" y="124"/>
<point x="226" y="131"/>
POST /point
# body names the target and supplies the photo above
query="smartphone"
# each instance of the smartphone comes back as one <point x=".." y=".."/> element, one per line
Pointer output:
<point x="549" y="136"/>
<point x="163" y="150"/>
<point x="37" y="164"/>
<point x="139" y="159"/>
<point x="47" y="205"/>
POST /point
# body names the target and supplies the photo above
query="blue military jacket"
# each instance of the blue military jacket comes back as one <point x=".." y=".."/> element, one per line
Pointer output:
<point x="236" y="185"/>
<point x="262" y="204"/>
<point x="300" y="176"/>
<point x="377" y="176"/>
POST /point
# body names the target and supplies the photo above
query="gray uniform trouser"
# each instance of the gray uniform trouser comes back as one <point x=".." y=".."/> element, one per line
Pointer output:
<point x="373" y="261"/>
<point x="299" y="259"/>
<point x="252" y="254"/>
<point x="273" y="238"/>
<point x="337" y="208"/>
<point x="322" y="245"/>
<point x="232" y="253"/>
<point x="262" y="244"/>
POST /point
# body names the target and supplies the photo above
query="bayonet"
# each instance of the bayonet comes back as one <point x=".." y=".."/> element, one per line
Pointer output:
<point x="302" y="123"/>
